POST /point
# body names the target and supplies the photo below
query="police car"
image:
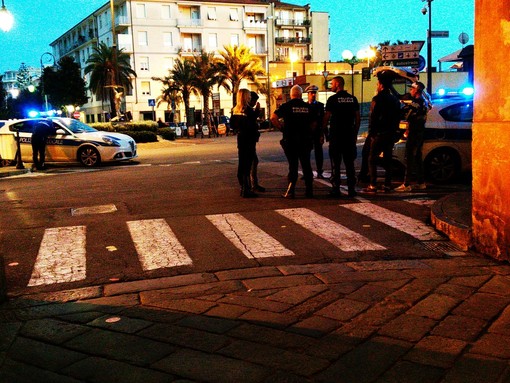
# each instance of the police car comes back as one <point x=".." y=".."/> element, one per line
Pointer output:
<point x="74" y="142"/>
<point x="447" y="141"/>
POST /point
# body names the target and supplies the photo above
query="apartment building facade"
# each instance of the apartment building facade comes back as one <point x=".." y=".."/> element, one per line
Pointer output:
<point x="156" y="33"/>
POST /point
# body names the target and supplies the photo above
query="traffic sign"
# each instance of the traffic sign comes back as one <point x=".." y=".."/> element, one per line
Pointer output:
<point x="152" y="102"/>
<point x="440" y="34"/>
<point x="402" y="54"/>
<point x="404" y="62"/>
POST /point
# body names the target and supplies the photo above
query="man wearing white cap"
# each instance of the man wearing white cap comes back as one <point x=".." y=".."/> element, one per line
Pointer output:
<point x="317" y="111"/>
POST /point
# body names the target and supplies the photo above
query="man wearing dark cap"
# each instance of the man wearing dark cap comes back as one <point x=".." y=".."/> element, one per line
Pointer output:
<point x="317" y="111"/>
<point x="383" y="124"/>
<point x="415" y="113"/>
<point x="42" y="130"/>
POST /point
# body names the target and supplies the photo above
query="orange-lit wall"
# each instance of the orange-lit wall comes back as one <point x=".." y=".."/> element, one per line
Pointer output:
<point x="491" y="130"/>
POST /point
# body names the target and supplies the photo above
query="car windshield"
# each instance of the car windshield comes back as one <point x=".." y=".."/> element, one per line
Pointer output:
<point x="76" y="126"/>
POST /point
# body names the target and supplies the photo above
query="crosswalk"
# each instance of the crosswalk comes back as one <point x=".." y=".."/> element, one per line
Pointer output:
<point x="62" y="254"/>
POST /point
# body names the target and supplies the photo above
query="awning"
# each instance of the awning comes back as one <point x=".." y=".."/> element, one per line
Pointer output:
<point x="452" y="57"/>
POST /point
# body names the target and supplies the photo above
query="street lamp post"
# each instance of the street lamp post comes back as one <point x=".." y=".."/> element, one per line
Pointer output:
<point x="429" y="45"/>
<point x="365" y="54"/>
<point x="269" y="19"/>
<point x="350" y="59"/>
<point x="6" y="19"/>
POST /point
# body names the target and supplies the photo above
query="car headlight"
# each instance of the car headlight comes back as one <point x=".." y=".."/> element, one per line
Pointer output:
<point x="111" y="141"/>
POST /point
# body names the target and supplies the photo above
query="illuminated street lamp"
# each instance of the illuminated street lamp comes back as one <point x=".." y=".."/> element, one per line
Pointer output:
<point x="368" y="54"/>
<point x="350" y="59"/>
<point x="6" y="19"/>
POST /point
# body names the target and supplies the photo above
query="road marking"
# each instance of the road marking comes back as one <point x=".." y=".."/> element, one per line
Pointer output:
<point x="98" y="209"/>
<point x="417" y="229"/>
<point x="247" y="237"/>
<point x="336" y="234"/>
<point x="61" y="257"/>
<point x="157" y="245"/>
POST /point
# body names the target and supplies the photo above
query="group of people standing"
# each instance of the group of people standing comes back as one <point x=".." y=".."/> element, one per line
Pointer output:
<point x="307" y="125"/>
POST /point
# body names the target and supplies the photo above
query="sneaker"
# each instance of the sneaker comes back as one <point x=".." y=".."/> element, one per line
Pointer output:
<point x="320" y="176"/>
<point x="403" y="188"/>
<point x="386" y="189"/>
<point x="419" y="186"/>
<point x="370" y="189"/>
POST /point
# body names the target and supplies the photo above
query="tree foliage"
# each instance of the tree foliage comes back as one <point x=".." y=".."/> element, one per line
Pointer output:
<point x="236" y="64"/>
<point x="109" y="69"/>
<point x="206" y="76"/>
<point x="180" y="79"/>
<point x="64" y="85"/>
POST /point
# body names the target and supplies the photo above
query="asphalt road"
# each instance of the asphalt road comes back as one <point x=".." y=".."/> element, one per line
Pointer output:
<point x="177" y="210"/>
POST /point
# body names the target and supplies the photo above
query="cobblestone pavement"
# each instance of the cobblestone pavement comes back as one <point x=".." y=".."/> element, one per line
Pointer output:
<point x="427" y="320"/>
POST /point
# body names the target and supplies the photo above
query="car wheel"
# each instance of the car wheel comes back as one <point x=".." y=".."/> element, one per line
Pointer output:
<point x="442" y="165"/>
<point x="89" y="156"/>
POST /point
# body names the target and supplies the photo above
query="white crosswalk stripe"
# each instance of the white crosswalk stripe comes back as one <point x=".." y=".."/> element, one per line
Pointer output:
<point x="61" y="257"/>
<point x="157" y="245"/>
<point x="408" y="225"/>
<point x="62" y="253"/>
<point x="336" y="234"/>
<point x="247" y="237"/>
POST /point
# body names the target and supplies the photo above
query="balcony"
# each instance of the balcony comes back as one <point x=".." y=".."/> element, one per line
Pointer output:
<point x="183" y="23"/>
<point x="255" y="24"/>
<point x="292" y="40"/>
<point x="293" y="22"/>
<point x="190" y="51"/>
<point x="121" y="22"/>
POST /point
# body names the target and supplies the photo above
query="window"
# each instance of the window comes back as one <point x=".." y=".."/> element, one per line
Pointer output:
<point x="140" y="11"/>
<point x="211" y="13"/>
<point x="146" y="88"/>
<point x="144" y="63"/>
<point x="168" y="63"/>
<point x="167" y="39"/>
<point x="142" y="38"/>
<point x="234" y="15"/>
<point x="462" y="112"/>
<point x="213" y="40"/>
<point x="165" y="12"/>
<point x="234" y="40"/>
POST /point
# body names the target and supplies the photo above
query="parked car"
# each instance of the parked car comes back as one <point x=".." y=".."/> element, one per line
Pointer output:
<point x="447" y="140"/>
<point x="74" y="142"/>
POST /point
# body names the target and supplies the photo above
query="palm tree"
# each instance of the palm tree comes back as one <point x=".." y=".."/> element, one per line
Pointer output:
<point x="205" y="68"/>
<point x="237" y="63"/>
<point x="180" y="79"/>
<point x="109" y="70"/>
<point x="169" y="93"/>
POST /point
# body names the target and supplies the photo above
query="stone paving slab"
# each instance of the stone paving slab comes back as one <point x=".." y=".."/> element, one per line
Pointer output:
<point x="432" y="320"/>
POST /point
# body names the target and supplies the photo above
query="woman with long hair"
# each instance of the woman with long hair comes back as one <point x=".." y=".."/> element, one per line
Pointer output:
<point x="244" y="120"/>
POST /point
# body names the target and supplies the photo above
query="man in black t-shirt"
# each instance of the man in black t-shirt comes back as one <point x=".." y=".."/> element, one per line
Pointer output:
<point x="342" y="113"/>
<point x="297" y="139"/>
<point x="317" y="110"/>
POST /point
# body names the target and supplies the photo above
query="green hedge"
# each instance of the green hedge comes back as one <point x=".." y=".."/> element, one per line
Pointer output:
<point x="141" y="136"/>
<point x="167" y="133"/>
<point x="122" y="127"/>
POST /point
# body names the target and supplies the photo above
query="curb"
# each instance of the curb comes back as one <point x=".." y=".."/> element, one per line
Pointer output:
<point x="448" y="215"/>
<point x="5" y="172"/>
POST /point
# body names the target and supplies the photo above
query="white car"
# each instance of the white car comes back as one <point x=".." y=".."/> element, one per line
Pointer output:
<point x="74" y="142"/>
<point x="447" y="142"/>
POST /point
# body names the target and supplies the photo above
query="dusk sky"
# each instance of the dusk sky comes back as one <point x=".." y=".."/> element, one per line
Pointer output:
<point x="354" y="25"/>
